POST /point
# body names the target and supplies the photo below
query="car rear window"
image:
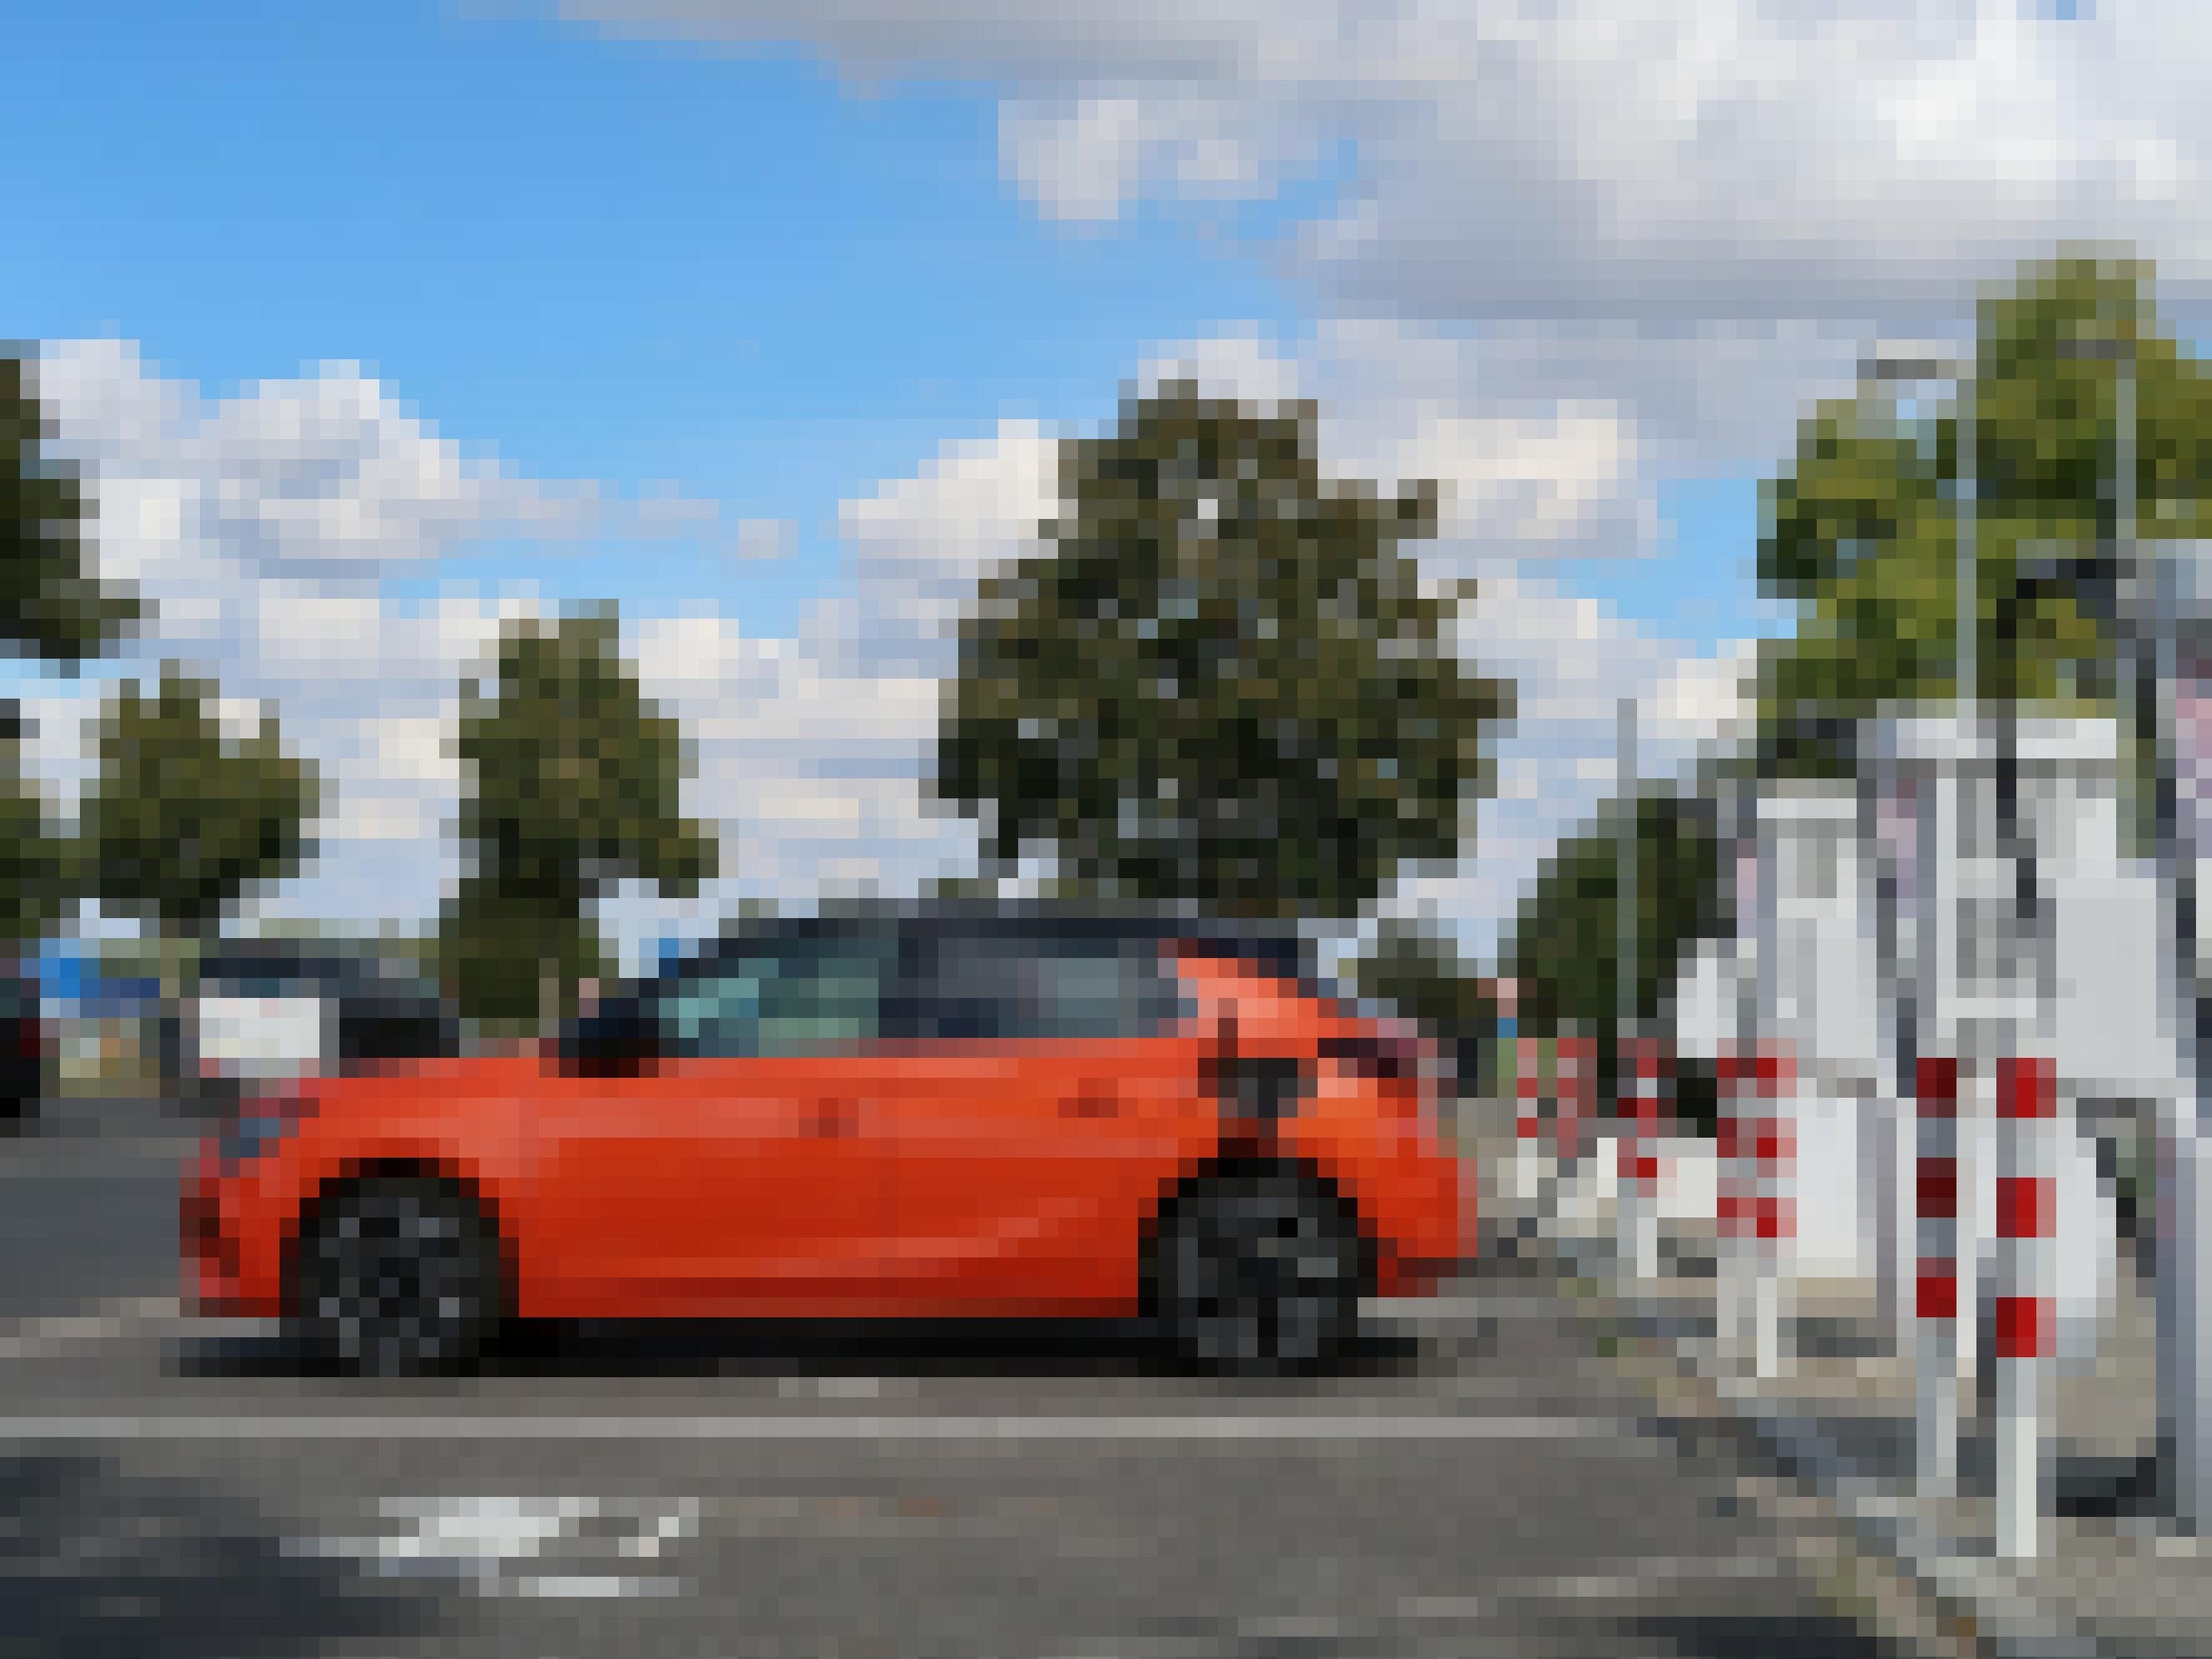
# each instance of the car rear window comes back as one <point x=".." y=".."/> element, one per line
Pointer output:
<point x="985" y="987"/>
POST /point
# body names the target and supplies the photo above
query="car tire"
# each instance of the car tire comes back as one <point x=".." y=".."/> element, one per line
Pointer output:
<point x="1258" y="1272"/>
<point x="398" y="1276"/>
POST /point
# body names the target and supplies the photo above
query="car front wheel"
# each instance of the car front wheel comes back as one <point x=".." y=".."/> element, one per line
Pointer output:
<point x="398" y="1275"/>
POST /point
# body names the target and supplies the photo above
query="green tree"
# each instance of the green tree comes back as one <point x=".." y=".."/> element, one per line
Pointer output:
<point x="1223" y="682"/>
<point x="56" y="610"/>
<point x="1862" y="531"/>
<point x="184" y="819"/>
<point x="1565" y="948"/>
<point x="574" y="778"/>
<point x="1423" y="976"/>
<point x="37" y="863"/>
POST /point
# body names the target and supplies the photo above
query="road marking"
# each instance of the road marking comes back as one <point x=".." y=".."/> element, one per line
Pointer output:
<point x="23" y="1339"/>
<point x="1649" y="1576"/>
<point x="1125" y="1426"/>
<point x="485" y="1541"/>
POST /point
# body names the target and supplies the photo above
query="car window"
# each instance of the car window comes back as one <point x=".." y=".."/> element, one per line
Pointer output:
<point x="984" y="986"/>
<point x="799" y="997"/>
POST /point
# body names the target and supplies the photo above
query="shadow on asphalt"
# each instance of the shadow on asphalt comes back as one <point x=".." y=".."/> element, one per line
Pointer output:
<point x="97" y="1565"/>
<point x="2109" y="1488"/>
<point x="995" y="1349"/>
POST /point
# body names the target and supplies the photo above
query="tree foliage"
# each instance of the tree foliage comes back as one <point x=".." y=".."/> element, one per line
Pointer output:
<point x="1565" y="949"/>
<point x="1862" y="531"/>
<point x="55" y="609"/>
<point x="1223" y="683"/>
<point x="573" y="785"/>
<point x="55" y="612"/>
<point x="1422" y="975"/>
<point x="184" y="819"/>
<point x="38" y="864"/>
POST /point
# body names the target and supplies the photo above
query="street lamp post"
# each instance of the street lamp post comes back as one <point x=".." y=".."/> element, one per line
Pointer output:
<point x="1635" y="1073"/>
<point x="1933" y="1333"/>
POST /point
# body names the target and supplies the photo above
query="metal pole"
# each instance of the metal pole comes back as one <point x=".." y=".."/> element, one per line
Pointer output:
<point x="1737" y="1188"/>
<point x="1626" y="966"/>
<point x="1969" y="663"/>
<point x="1635" y="1198"/>
<point x="1923" y="1022"/>
<point x="1976" y="1145"/>
<point x="2182" y="1199"/>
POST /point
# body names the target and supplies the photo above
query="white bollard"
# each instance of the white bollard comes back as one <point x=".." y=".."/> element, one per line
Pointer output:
<point x="1766" y="1324"/>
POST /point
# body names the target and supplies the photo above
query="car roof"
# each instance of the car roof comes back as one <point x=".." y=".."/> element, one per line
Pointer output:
<point x="1272" y="947"/>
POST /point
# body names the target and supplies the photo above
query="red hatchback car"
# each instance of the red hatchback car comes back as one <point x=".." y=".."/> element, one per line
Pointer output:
<point x="912" y="1113"/>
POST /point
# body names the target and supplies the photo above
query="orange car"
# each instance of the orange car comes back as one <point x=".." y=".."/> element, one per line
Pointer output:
<point x="915" y="1113"/>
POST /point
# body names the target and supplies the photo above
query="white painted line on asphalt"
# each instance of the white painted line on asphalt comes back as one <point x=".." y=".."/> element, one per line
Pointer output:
<point x="23" y="1339"/>
<point x="1127" y="1427"/>
<point x="1647" y="1576"/>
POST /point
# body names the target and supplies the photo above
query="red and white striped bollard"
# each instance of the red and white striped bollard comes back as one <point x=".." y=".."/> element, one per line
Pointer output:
<point x="1530" y="1186"/>
<point x="1774" y="1152"/>
<point x="1644" y="1076"/>
<point x="2026" y="1214"/>
<point x="1578" y="1092"/>
<point x="1735" y="1192"/>
<point x="1935" y="1271"/>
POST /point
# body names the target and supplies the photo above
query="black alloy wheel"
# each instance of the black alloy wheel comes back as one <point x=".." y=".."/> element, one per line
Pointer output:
<point x="1259" y="1273"/>
<point x="398" y="1276"/>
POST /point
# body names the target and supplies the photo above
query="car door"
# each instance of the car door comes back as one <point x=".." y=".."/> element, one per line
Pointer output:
<point x="736" y="1172"/>
<point x="1047" y="1097"/>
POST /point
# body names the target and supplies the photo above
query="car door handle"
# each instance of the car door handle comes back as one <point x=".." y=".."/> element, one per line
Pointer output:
<point x="1090" y="1100"/>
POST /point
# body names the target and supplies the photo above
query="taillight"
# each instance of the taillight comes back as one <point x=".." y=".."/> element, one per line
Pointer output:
<point x="1386" y="1059"/>
<point x="1398" y="1065"/>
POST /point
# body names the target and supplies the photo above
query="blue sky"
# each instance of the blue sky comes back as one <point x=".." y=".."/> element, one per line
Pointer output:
<point x="640" y="264"/>
<point x="850" y="265"/>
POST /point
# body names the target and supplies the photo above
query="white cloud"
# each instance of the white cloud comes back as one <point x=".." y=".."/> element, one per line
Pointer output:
<point x="1690" y="212"/>
<point x="763" y="539"/>
<point x="1573" y="664"/>
<point x="1580" y="158"/>
<point x="813" y="750"/>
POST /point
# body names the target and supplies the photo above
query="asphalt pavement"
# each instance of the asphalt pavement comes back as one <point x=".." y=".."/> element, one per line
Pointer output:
<point x="1479" y="1480"/>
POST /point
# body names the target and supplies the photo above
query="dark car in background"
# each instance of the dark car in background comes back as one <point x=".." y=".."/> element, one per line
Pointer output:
<point x="26" y="1047"/>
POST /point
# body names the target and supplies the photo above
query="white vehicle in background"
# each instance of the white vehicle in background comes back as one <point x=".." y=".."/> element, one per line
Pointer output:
<point x="265" y="1010"/>
<point x="260" y="1039"/>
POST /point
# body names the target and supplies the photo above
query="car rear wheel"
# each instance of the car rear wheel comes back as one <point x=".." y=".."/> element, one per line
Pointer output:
<point x="1259" y="1273"/>
<point x="398" y="1275"/>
